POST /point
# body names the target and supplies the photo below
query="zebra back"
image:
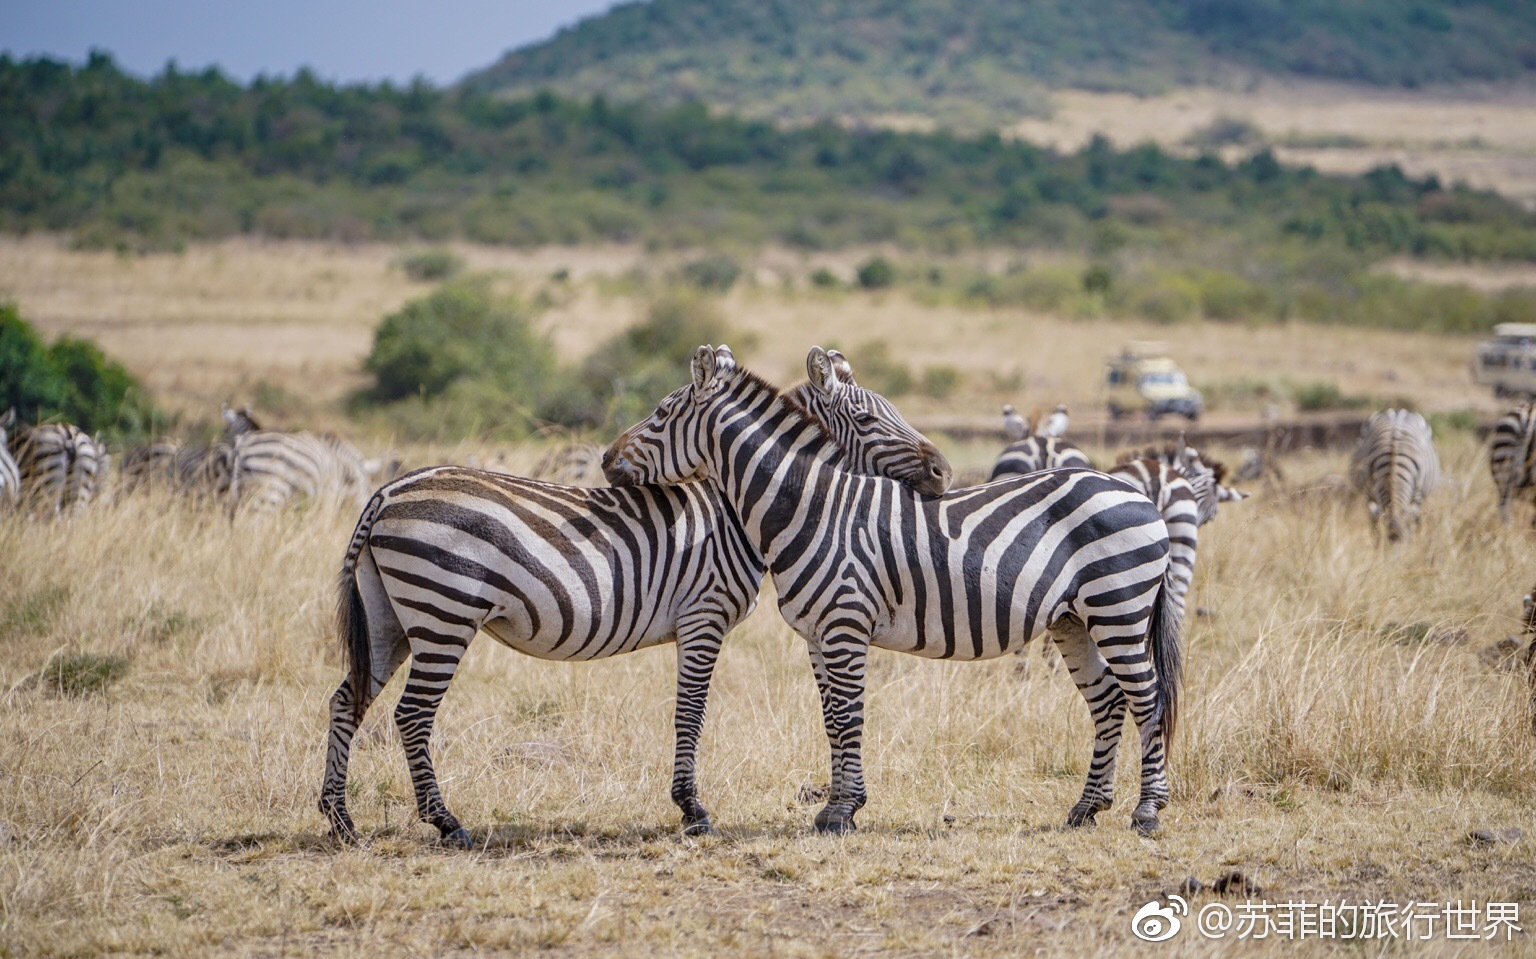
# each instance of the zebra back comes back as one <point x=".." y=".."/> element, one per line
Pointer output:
<point x="150" y="463"/>
<point x="60" y="467"/>
<point x="1395" y="466"/>
<point x="572" y="464"/>
<point x="1511" y="450"/>
<point x="1035" y="453"/>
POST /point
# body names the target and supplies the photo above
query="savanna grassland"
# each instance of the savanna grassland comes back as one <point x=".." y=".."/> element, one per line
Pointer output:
<point x="162" y="726"/>
<point x="166" y="674"/>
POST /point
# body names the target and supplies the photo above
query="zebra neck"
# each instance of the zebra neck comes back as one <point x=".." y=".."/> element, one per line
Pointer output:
<point x="771" y="456"/>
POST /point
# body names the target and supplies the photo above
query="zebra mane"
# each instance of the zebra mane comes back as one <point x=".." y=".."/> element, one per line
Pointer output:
<point x="786" y="396"/>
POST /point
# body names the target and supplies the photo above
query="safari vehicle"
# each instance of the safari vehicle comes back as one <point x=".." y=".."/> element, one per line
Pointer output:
<point x="1508" y="361"/>
<point x="1142" y="379"/>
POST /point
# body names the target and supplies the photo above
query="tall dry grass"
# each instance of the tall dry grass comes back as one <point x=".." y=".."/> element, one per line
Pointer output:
<point x="1341" y="738"/>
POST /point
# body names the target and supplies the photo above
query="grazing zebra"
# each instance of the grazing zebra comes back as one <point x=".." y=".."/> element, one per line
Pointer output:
<point x="860" y="561"/>
<point x="60" y="466"/>
<point x="151" y="463"/>
<point x="1512" y="455"/>
<point x="1034" y="453"/>
<point x="1395" y="466"/>
<point x="573" y="464"/>
<point x="557" y="572"/>
<point x="10" y="476"/>
<point x="272" y="468"/>
<point x="1206" y="480"/>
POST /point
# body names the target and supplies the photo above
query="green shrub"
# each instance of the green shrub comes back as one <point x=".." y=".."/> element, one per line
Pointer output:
<point x="81" y="674"/>
<point x="463" y="346"/>
<point x="825" y="279"/>
<point x="1318" y="396"/>
<point x="1225" y="131"/>
<point x="1166" y="299"/>
<point x="1098" y="279"/>
<point x="876" y="273"/>
<point x="1227" y="296"/>
<point x="432" y="265"/>
<point x="625" y="377"/>
<point x="71" y="380"/>
<point x="712" y="274"/>
<point x="877" y="370"/>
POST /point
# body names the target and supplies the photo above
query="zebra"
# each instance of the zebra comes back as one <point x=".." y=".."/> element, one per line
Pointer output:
<point x="60" y="466"/>
<point x="1206" y="480"/>
<point x="10" y="476"/>
<point x="573" y="464"/>
<point x="860" y="561"/>
<point x="1034" y="453"/>
<point x="557" y="572"/>
<point x="271" y="467"/>
<point x="1512" y="455"/>
<point x="1395" y="467"/>
<point x="150" y="463"/>
<point x="1171" y="491"/>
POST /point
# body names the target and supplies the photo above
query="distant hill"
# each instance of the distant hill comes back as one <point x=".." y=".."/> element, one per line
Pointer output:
<point x="971" y="63"/>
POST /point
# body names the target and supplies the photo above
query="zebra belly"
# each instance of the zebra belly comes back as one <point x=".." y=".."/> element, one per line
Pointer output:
<point x="515" y="631"/>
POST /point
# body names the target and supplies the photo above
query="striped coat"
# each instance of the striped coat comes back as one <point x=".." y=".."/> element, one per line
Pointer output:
<point x="862" y="561"/>
<point x="152" y="463"/>
<point x="556" y="572"/>
<point x="10" y="476"/>
<point x="61" y="467"/>
<point x="1395" y="467"/>
<point x="1035" y="453"/>
<point x="1512" y="456"/>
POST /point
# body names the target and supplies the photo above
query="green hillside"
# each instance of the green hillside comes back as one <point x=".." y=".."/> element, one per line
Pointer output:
<point x="973" y="63"/>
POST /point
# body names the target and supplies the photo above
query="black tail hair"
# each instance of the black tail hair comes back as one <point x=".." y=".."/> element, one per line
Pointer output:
<point x="1165" y="637"/>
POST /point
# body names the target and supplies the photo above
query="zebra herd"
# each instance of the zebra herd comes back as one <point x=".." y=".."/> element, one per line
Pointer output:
<point x="827" y="489"/>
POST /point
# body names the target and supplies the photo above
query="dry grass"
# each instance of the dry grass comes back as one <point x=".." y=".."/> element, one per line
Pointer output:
<point x="1483" y="135"/>
<point x="1333" y="746"/>
<point x="287" y="326"/>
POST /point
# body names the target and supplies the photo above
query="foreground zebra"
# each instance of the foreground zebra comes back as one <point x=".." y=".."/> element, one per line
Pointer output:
<point x="560" y="573"/>
<point x="1512" y="456"/>
<point x="860" y="561"/>
<point x="60" y="466"/>
<point x="10" y="476"/>
<point x="1035" y="453"/>
<point x="1395" y="467"/>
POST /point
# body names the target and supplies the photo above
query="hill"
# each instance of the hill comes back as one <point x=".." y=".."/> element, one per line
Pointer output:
<point x="976" y="64"/>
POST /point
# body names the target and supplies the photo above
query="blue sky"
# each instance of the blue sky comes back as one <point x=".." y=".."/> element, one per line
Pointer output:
<point x="340" y="39"/>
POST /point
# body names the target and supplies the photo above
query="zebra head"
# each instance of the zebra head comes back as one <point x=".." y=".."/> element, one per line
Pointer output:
<point x="668" y="445"/>
<point x="238" y="422"/>
<point x="874" y="437"/>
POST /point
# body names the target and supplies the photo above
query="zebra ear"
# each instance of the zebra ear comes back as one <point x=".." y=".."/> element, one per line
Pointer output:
<point x="704" y="365"/>
<point x="725" y="360"/>
<point x="8" y="419"/>
<point x="822" y="372"/>
<point x="842" y="366"/>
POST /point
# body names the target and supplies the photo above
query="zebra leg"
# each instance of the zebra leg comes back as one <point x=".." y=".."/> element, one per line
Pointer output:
<point x="1106" y="705"/>
<point x="844" y="661"/>
<point x="388" y="650"/>
<point x="1130" y="661"/>
<point x="435" y="658"/>
<point x="823" y="692"/>
<point x="698" y="648"/>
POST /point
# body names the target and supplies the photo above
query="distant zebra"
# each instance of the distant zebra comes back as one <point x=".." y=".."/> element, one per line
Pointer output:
<point x="557" y="572"/>
<point x="1035" y="453"/>
<point x="10" y="476"/>
<point x="1395" y="467"/>
<point x="1206" y="480"/>
<point x="150" y="464"/>
<point x="270" y="468"/>
<point x="860" y="561"/>
<point x="1170" y="490"/>
<point x="1512" y="456"/>
<point x="572" y="464"/>
<point x="61" y="467"/>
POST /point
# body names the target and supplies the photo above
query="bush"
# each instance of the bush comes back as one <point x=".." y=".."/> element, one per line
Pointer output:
<point x="72" y="380"/>
<point x="712" y="274"/>
<point x="463" y="345"/>
<point x="876" y="273"/>
<point x="825" y="279"/>
<point x="432" y="265"/>
<point x="1318" y="396"/>
<point x="940" y="381"/>
<point x="625" y="377"/>
<point x="1166" y="299"/>
<point x="878" y="371"/>
<point x="81" y="674"/>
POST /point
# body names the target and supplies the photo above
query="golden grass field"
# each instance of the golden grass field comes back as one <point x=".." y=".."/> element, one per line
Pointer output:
<point x="1344" y="729"/>
<point x="1341" y="739"/>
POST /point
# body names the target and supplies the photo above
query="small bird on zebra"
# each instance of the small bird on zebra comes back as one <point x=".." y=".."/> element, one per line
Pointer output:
<point x="1395" y="467"/>
<point x="1512" y="457"/>
<point x="10" y="476"/>
<point x="561" y="573"/>
<point x="61" y="467"/>
<point x="1055" y="423"/>
<point x="1014" y="426"/>
<point x="860" y="561"/>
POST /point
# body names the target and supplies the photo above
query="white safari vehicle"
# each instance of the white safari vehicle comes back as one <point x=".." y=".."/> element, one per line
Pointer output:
<point x="1508" y="361"/>
<point x="1143" y="379"/>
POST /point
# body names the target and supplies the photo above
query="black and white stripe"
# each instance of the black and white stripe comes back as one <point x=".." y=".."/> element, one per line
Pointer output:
<point x="1395" y="467"/>
<point x="1512" y="456"/>
<point x="861" y="561"/>
<point x="1177" y="501"/>
<point x="60" y="467"/>
<point x="271" y="468"/>
<point x="557" y="572"/>
<point x="10" y="476"/>
<point x="150" y="464"/>
<point x="1035" y="453"/>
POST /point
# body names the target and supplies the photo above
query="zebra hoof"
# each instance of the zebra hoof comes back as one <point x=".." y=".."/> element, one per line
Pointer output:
<point x="459" y="839"/>
<point x="835" y="827"/>
<point x="1082" y="818"/>
<point x="1145" y="825"/>
<point x="700" y="828"/>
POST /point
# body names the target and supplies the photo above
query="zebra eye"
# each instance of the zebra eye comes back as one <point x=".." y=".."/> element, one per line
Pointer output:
<point x="864" y="417"/>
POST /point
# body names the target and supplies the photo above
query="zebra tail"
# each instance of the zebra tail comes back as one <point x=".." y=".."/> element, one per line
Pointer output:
<point x="1165" y="636"/>
<point x="352" y="618"/>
